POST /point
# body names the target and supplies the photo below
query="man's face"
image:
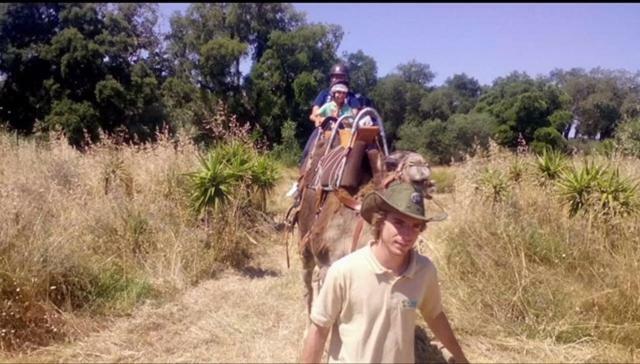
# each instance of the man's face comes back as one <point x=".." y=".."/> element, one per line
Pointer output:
<point x="399" y="233"/>
<point x="336" y="78"/>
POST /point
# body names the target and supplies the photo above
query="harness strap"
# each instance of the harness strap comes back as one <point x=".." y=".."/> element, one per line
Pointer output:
<point x="357" y="233"/>
<point x="392" y="177"/>
<point x="346" y="199"/>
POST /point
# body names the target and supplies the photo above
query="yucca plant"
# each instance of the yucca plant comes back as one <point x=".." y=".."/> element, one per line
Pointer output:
<point x="493" y="184"/>
<point x="616" y="195"/>
<point x="238" y="156"/>
<point x="550" y="164"/>
<point x="517" y="170"/>
<point x="213" y="184"/>
<point x="263" y="176"/>
<point x="576" y="186"/>
<point x="231" y="171"/>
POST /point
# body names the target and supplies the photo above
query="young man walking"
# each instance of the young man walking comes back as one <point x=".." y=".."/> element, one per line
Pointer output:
<point x="370" y="297"/>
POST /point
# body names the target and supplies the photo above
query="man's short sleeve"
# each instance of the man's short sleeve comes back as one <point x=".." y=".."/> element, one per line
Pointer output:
<point x="327" y="306"/>
<point x="431" y="304"/>
<point x="353" y="101"/>
<point x="321" y="99"/>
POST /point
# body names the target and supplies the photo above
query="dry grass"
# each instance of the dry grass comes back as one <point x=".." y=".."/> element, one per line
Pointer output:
<point x="512" y="273"/>
<point x="95" y="232"/>
<point x="519" y="269"/>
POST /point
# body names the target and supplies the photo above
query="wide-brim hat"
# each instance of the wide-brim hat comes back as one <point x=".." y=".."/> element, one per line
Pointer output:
<point x="402" y="198"/>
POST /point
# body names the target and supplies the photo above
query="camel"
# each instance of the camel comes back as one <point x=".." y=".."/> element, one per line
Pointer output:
<point x="329" y="224"/>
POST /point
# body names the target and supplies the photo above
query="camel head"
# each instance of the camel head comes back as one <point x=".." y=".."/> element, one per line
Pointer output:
<point x="410" y="167"/>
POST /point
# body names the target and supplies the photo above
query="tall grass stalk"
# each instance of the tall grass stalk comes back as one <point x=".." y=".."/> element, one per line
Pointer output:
<point x="100" y="231"/>
<point x="528" y="268"/>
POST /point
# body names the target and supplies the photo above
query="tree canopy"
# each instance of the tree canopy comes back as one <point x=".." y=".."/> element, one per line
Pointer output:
<point x="88" y="70"/>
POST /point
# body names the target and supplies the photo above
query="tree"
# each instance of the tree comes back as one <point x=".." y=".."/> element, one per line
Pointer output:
<point x="391" y="100"/>
<point x="600" y="98"/>
<point x="466" y="91"/>
<point x="84" y="72"/>
<point x="416" y="73"/>
<point x="443" y="142"/>
<point x="363" y="72"/>
<point x="522" y="105"/>
<point x="284" y="82"/>
<point x="25" y="29"/>
<point x="438" y="104"/>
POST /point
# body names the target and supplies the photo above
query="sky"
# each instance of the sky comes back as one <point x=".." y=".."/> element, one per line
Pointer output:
<point x="485" y="41"/>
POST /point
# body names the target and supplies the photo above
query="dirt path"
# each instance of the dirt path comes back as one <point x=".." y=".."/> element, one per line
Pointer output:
<point x="252" y="316"/>
<point x="257" y="315"/>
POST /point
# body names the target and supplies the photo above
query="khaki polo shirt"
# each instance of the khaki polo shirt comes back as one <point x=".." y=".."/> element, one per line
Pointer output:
<point x="372" y="310"/>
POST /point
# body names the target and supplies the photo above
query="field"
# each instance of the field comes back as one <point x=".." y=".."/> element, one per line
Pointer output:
<point x="103" y="261"/>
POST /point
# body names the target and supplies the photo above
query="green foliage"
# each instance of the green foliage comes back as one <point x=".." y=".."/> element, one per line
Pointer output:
<point x="560" y="120"/>
<point x="627" y="137"/>
<point x="517" y="170"/>
<point x="391" y="100"/>
<point x="576" y="186"/>
<point x="444" y="179"/>
<point x="616" y="195"/>
<point x="600" y="98"/>
<point x="442" y="142"/>
<point x="113" y="290"/>
<point x="493" y="185"/>
<point x="213" y="184"/>
<point x="217" y="64"/>
<point x="458" y="95"/>
<point x="263" y="177"/>
<point x="607" y="148"/>
<point x="76" y="119"/>
<point x="289" y="152"/>
<point x="285" y="80"/>
<point x="230" y="171"/>
<point x="550" y="164"/>
<point x="363" y="72"/>
<point x="439" y="104"/>
<point x="416" y="73"/>
<point x="87" y="63"/>
<point x="522" y="105"/>
<point x="597" y="189"/>
<point x="548" y="138"/>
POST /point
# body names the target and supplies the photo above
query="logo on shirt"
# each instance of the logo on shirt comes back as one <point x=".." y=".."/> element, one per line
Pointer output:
<point x="409" y="304"/>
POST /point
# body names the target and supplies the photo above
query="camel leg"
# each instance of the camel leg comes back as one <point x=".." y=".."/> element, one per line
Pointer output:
<point x="308" y="265"/>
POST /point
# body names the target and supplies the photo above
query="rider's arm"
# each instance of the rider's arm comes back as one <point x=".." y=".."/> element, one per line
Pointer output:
<point x="318" y="102"/>
<point x="327" y="109"/>
<point x="313" y="116"/>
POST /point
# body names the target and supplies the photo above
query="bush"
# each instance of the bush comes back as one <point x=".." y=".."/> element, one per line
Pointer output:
<point x="444" y="180"/>
<point x="548" y="138"/>
<point x="493" y="185"/>
<point x="289" y="152"/>
<point x="444" y="142"/>
<point x="231" y="171"/>
<point x="598" y="190"/>
<point x="627" y="137"/>
<point x="550" y="165"/>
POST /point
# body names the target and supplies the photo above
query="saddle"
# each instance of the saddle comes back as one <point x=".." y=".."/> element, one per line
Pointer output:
<point x="337" y="163"/>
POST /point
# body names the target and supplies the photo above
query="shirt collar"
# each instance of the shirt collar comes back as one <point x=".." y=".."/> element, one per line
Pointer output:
<point x="380" y="269"/>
